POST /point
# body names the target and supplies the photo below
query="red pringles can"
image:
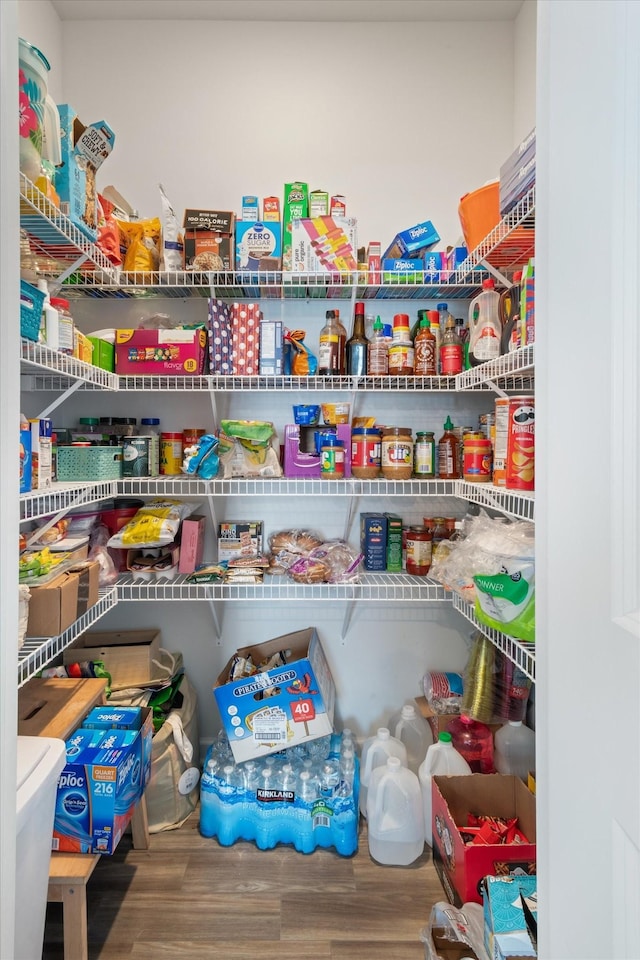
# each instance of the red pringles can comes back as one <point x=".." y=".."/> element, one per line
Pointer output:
<point x="521" y="444"/>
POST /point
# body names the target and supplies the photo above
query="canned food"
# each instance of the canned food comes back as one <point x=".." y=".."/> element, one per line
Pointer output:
<point x="501" y="434"/>
<point x="521" y="444"/>
<point x="477" y="459"/>
<point x="170" y="454"/>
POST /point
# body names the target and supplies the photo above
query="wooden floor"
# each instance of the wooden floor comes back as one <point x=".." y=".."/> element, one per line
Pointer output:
<point x="188" y="898"/>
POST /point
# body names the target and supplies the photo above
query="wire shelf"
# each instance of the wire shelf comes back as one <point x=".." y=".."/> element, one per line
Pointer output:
<point x="522" y="654"/>
<point x="515" y="503"/>
<point x="37" y="357"/>
<point x="286" y="487"/>
<point x="372" y="586"/>
<point x="511" y="243"/>
<point x="510" y="368"/>
<point x="273" y="384"/>
<point x="52" y="233"/>
<point x="62" y="497"/>
<point x="37" y="652"/>
<point x="274" y="285"/>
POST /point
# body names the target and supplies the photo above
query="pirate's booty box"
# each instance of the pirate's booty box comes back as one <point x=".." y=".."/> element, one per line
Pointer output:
<point x="276" y="694"/>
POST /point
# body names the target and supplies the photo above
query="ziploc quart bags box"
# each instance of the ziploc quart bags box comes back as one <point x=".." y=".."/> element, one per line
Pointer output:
<point x="102" y="781"/>
<point x="276" y="709"/>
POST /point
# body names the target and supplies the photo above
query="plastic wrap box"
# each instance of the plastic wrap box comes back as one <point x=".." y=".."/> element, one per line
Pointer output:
<point x="175" y="352"/>
<point x="462" y="867"/>
<point x="101" y="784"/>
<point x="128" y="655"/>
<point x="301" y="702"/>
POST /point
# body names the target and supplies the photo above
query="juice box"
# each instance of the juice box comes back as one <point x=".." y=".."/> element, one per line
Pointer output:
<point x="296" y="205"/>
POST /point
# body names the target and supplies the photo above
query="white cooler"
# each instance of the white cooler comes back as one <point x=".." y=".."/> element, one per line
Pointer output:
<point x="40" y="762"/>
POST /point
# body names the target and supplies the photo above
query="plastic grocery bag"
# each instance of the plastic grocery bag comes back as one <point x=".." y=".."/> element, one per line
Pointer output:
<point x="249" y="448"/>
<point x="154" y="525"/>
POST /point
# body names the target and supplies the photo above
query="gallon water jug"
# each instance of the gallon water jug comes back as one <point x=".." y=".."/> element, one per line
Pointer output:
<point x="39" y="119"/>
<point x="515" y="749"/>
<point x="474" y="741"/>
<point x="411" y="728"/>
<point x="394" y="814"/>
<point x="375" y="751"/>
<point x="442" y="759"/>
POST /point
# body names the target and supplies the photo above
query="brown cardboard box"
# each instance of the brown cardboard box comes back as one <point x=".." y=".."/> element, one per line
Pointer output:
<point x="53" y="606"/>
<point x="88" y="574"/>
<point x="439" y="722"/>
<point x="128" y="655"/>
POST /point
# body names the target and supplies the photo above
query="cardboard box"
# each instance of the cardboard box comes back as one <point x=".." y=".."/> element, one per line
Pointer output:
<point x="241" y="538"/>
<point x="258" y="246"/>
<point x="300" y="708"/>
<point x="104" y="354"/>
<point x="402" y="269"/>
<point x="373" y="541"/>
<point x="271" y="210"/>
<point x="55" y="605"/>
<point x="191" y="543"/>
<point x="271" y="347"/>
<point x="128" y="655"/>
<point x="164" y="352"/>
<point x="318" y="203"/>
<point x="505" y="928"/>
<point x="324" y="244"/>
<point x="102" y="782"/>
<point x="250" y="208"/>
<point x="413" y="242"/>
<point x="296" y="205"/>
<point x="208" y="240"/>
<point x="83" y="149"/>
<point x="25" y="461"/>
<point x="461" y="867"/>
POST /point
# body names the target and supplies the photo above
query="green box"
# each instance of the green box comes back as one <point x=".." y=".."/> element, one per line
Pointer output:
<point x="104" y="354"/>
<point x="295" y="206"/>
<point x="394" y="543"/>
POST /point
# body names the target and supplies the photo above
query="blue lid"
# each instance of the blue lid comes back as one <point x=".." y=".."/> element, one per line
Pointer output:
<point x="366" y="431"/>
<point x="332" y="441"/>
<point x="154" y="421"/>
<point x="443" y="306"/>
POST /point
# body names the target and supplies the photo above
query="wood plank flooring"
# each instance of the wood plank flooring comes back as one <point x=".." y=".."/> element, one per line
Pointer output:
<point x="187" y="897"/>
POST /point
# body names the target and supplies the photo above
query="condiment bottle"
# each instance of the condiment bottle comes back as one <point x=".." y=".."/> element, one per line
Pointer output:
<point x="425" y="350"/>
<point x="401" y="352"/>
<point x="357" y="345"/>
<point x="448" y="468"/>
<point x="424" y="455"/>
<point x="378" y="353"/>
<point x="485" y="329"/>
<point x="342" y="343"/>
<point x="450" y="350"/>
<point x="331" y="349"/>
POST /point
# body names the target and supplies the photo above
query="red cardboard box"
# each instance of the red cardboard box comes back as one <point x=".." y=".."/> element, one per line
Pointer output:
<point x="461" y="866"/>
<point x="191" y="544"/>
<point x="161" y="352"/>
<point x="245" y="339"/>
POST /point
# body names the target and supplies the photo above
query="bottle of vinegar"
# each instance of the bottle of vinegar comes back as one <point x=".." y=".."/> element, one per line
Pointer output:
<point x="357" y="345"/>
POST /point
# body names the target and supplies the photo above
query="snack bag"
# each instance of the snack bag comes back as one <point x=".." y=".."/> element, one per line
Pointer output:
<point x="108" y="232"/>
<point x="249" y="448"/>
<point x="172" y="246"/>
<point x="298" y="359"/>
<point x="141" y="239"/>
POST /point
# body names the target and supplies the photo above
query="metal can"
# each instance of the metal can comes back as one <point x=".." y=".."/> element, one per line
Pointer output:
<point x="191" y="435"/>
<point x="418" y="551"/>
<point x="424" y="455"/>
<point x="521" y="444"/>
<point x="476" y="458"/>
<point x="500" y="439"/>
<point x="170" y="454"/>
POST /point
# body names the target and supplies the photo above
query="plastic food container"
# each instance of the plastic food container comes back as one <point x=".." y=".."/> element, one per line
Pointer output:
<point x="479" y="213"/>
<point x="334" y="413"/>
<point x="306" y="414"/>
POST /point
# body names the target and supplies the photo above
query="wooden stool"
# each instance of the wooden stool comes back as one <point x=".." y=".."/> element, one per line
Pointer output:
<point x="68" y="877"/>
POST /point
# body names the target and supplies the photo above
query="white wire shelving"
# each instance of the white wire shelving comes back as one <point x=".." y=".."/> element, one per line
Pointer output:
<point x="64" y="496"/>
<point x="510" y="244"/>
<point x="371" y="586"/>
<point x="511" y="371"/>
<point x="37" y="652"/>
<point x="56" y="371"/>
<point x="520" y="653"/>
<point x="285" y="487"/>
<point x="279" y="384"/>
<point x="513" y="503"/>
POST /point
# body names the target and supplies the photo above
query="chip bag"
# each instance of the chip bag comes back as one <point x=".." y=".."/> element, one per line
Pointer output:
<point x="298" y="359"/>
<point x="141" y="241"/>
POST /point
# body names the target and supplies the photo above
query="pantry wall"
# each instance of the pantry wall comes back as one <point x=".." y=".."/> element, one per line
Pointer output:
<point x="211" y="133"/>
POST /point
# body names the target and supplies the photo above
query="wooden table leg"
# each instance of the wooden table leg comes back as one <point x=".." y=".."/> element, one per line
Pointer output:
<point x="140" y="825"/>
<point x="74" y="918"/>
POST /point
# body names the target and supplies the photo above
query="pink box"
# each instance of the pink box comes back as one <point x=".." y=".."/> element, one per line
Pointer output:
<point x="191" y="543"/>
<point x="245" y="339"/>
<point x="165" y="352"/>
<point x="299" y="462"/>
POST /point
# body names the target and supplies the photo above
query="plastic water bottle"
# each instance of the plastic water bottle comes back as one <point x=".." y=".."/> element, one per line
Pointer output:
<point x="474" y="741"/>
<point x="442" y="759"/>
<point x="394" y="814"/>
<point x="515" y="749"/>
<point x="209" y="801"/>
<point x="375" y="751"/>
<point x="231" y="791"/>
<point x="410" y="727"/>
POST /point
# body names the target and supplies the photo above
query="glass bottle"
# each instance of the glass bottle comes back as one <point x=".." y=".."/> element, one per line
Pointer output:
<point x="329" y="349"/>
<point x="425" y="350"/>
<point x="342" y="343"/>
<point x="450" y="350"/>
<point x="357" y="345"/>
<point x="378" y="353"/>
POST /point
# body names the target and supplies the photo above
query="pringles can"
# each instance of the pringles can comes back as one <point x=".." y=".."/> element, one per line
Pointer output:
<point x="521" y="444"/>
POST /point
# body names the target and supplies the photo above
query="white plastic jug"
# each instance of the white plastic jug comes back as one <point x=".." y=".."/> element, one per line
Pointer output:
<point x="39" y="118"/>
<point x="394" y="815"/>
<point x="515" y="749"/>
<point x="411" y="728"/>
<point x="375" y="751"/>
<point x="442" y="759"/>
<point x="485" y="329"/>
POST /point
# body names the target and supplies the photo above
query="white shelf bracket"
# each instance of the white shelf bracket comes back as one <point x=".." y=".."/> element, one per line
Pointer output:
<point x="494" y="386"/>
<point x="348" y="615"/>
<point x="348" y="520"/>
<point x="72" y="268"/>
<point x="63" y="396"/>
<point x="496" y="273"/>
<point x="216" y="621"/>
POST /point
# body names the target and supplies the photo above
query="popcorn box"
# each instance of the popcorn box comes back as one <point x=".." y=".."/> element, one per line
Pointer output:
<point x="279" y="708"/>
<point x="168" y="352"/>
<point x="245" y="339"/>
<point x="322" y="244"/>
<point x="219" y="337"/>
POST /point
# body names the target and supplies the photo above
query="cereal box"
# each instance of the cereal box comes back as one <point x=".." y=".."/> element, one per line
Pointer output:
<point x="296" y="205"/>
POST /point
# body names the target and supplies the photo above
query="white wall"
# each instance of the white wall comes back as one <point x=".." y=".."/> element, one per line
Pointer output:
<point x="402" y="118"/>
<point x="39" y="24"/>
<point x="524" y="71"/>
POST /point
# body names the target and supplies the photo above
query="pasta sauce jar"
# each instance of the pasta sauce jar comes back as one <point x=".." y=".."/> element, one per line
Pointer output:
<point x="397" y="453"/>
<point x="419" y="544"/>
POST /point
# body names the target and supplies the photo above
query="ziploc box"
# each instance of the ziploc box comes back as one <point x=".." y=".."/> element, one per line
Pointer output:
<point x="505" y="927"/>
<point x="402" y="269"/>
<point x="295" y="206"/>
<point x="300" y="704"/>
<point x="117" y="718"/>
<point x="413" y="242"/>
<point x="175" y="352"/>
<point x="84" y="149"/>
<point x="461" y="866"/>
<point x="102" y="781"/>
<point x="322" y="244"/>
<point x="208" y="240"/>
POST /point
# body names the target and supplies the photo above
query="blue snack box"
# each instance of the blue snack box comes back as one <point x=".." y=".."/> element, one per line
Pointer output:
<point x="373" y="541"/>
